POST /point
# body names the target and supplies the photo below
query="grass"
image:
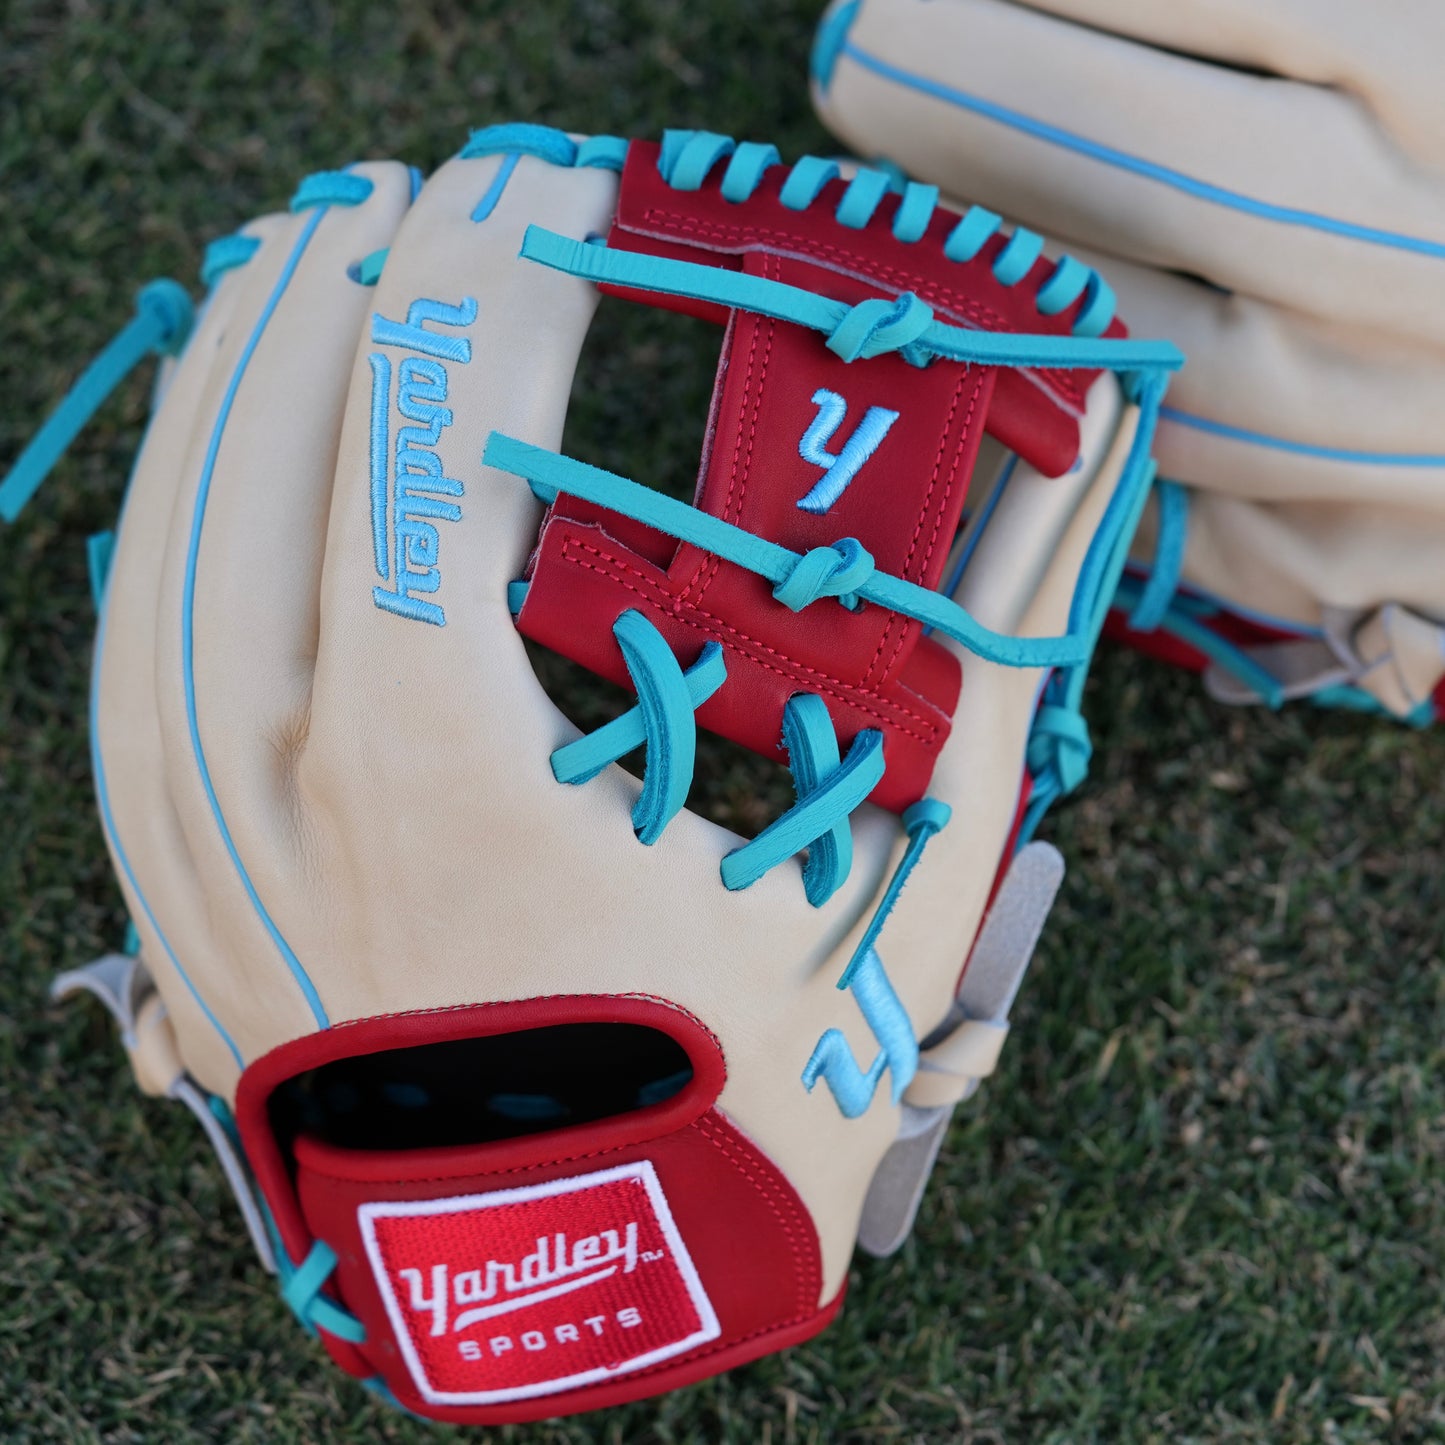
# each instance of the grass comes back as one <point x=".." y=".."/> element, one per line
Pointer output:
<point x="1204" y="1200"/>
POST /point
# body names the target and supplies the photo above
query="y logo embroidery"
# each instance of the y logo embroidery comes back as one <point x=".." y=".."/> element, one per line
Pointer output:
<point x="404" y="515"/>
<point x="839" y="468"/>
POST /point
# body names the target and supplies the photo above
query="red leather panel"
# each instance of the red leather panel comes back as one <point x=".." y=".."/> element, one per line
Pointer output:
<point x="874" y="669"/>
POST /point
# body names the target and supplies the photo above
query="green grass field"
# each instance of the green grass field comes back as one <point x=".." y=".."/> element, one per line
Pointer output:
<point x="1203" y="1201"/>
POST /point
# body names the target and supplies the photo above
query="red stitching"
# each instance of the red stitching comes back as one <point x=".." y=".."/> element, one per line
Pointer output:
<point x="773" y="1198"/>
<point x="974" y="310"/>
<point x="835" y="687"/>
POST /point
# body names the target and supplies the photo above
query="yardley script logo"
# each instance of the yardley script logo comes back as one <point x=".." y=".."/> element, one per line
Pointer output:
<point x="550" y="1270"/>
<point x="539" y="1288"/>
<point x="409" y="489"/>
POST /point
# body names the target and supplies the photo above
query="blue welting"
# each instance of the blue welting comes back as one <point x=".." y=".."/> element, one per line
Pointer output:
<point x="809" y="818"/>
<point x="1137" y="165"/>
<point x="99" y="549"/>
<point x="976" y="531"/>
<point x="833" y="1061"/>
<point x="1303" y="449"/>
<point x="517" y="596"/>
<point x="130" y="944"/>
<point x="667" y="721"/>
<point x="225" y="254"/>
<point x="745" y="171"/>
<point x="920" y="821"/>
<point x="837" y="571"/>
<point x="806" y="181"/>
<point x="581" y="760"/>
<point x="548" y="474"/>
<point x="188" y="646"/>
<point x="861" y="198"/>
<point x="331" y="188"/>
<point x="602" y="152"/>
<point x="1016" y="259"/>
<point x="107" y="820"/>
<point x="1066" y="283"/>
<point x="820" y="313"/>
<point x="162" y="321"/>
<point x="876" y="326"/>
<point x="915" y="211"/>
<point x="841" y="467"/>
<point x="688" y="156"/>
<point x="301" y="1287"/>
<point x="828" y="43"/>
<point x="493" y="193"/>
<point x="542" y="141"/>
<point x="380" y="459"/>
<point x="1148" y="612"/>
<point x="812" y="746"/>
<point x="975" y="229"/>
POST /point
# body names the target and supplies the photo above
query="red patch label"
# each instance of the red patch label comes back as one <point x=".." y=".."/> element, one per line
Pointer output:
<point x="525" y="1292"/>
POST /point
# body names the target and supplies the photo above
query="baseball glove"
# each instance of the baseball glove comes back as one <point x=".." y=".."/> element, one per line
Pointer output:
<point x="539" y="1090"/>
<point x="1264" y="182"/>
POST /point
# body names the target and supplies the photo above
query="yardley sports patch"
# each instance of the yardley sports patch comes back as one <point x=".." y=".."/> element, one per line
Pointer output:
<point x="529" y="1291"/>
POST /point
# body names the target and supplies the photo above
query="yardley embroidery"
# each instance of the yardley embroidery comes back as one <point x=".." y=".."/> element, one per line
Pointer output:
<point x="409" y="489"/>
<point x="499" y="1287"/>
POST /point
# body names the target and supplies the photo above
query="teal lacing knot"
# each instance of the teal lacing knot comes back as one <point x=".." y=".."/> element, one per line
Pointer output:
<point x="920" y="822"/>
<point x="828" y="792"/>
<point x="162" y="322"/>
<point x="836" y="571"/>
<point x="602" y="152"/>
<point x="1059" y="747"/>
<point x="225" y="254"/>
<point x="301" y="1287"/>
<point x="876" y="326"/>
<point x="331" y="188"/>
<point x="663" y="720"/>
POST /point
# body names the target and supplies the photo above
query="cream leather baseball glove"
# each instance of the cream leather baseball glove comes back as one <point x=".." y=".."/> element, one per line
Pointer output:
<point x="539" y="1090"/>
<point x="1263" y="181"/>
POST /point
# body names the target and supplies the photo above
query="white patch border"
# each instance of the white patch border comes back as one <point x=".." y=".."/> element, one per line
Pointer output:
<point x="367" y="1214"/>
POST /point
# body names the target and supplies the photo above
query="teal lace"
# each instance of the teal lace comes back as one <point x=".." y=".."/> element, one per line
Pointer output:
<point x="828" y="785"/>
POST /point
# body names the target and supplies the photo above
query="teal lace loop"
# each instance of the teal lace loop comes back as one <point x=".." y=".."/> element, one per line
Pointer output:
<point x="603" y="152"/>
<point x="920" y="822"/>
<point x="1060" y="747"/>
<point x="813" y="815"/>
<point x="331" y="188"/>
<point x="1152" y="606"/>
<point x="836" y="571"/>
<point x="225" y="254"/>
<point x="876" y="326"/>
<point x="162" y="322"/>
<point x="813" y="757"/>
<point x="301" y="1287"/>
<point x="688" y="157"/>
<point x="663" y="721"/>
<point x="593" y="261"/>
